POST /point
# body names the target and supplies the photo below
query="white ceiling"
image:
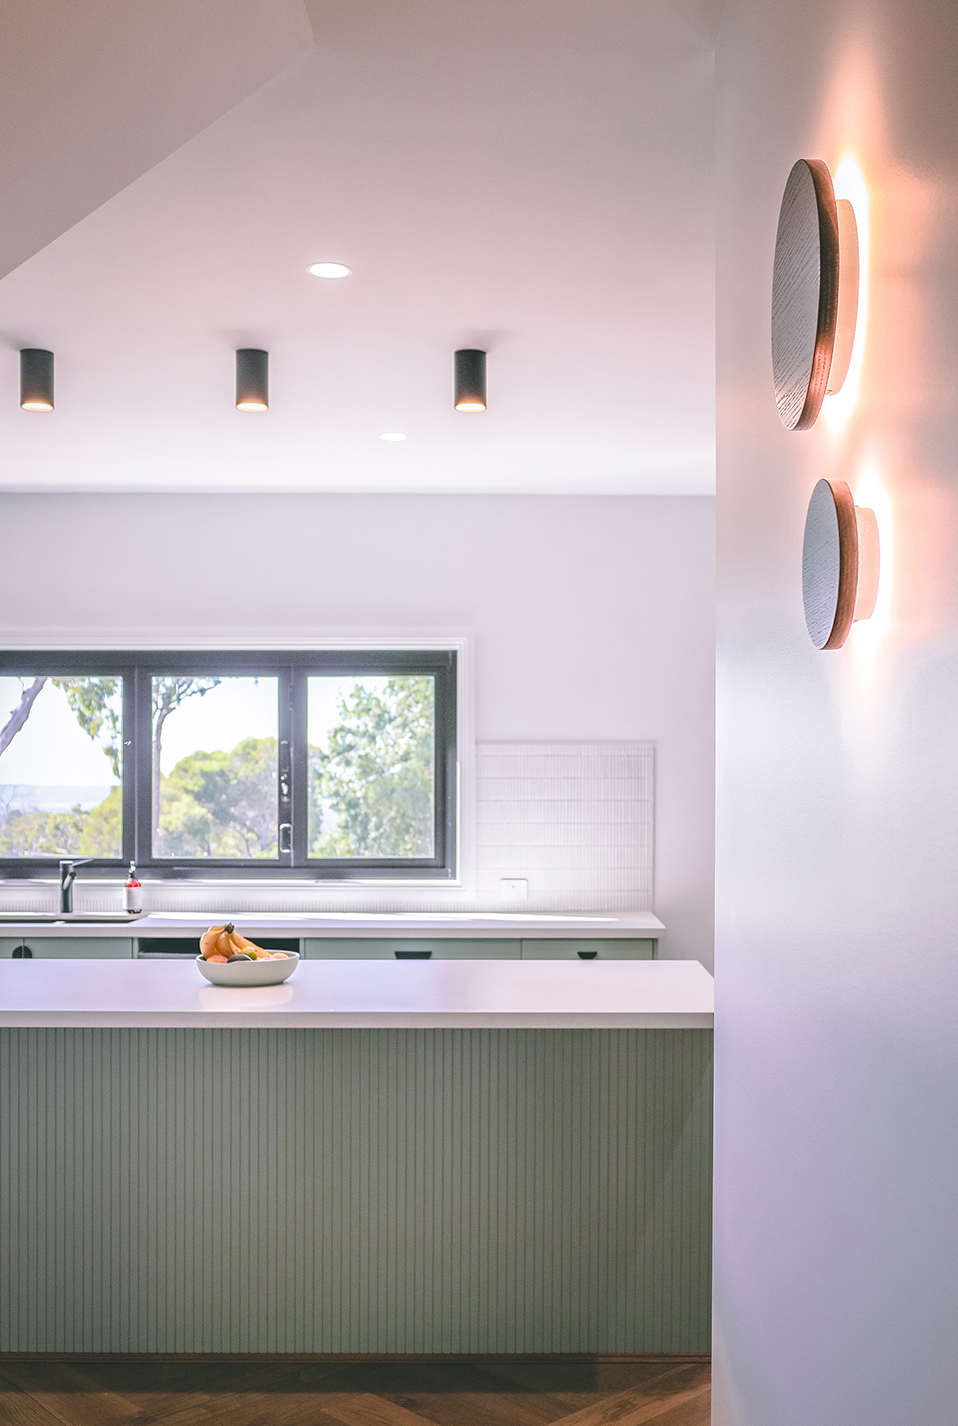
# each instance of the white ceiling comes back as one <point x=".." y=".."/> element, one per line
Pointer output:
<point x="86" y="89"/>
<point x="528" y="176"/>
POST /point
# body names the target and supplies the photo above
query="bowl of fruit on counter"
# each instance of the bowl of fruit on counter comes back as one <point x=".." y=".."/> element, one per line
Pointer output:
<point x="227" y="958"/>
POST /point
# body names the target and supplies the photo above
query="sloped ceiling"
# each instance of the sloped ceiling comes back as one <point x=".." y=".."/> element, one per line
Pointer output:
<point x="95" y="92"/>
<point x="528" y="176"/>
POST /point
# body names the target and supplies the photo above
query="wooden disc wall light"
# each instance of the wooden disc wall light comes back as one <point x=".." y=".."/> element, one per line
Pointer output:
<point x="814" y="294"/>
<point x="840" y="564"/>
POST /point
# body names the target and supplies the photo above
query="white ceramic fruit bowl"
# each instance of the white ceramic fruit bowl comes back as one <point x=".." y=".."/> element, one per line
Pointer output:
<point x="248" y="972"/>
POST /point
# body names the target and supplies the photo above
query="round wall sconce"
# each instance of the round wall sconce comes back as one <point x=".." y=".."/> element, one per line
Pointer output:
<point x="840" y="564"/>
<point x="470" y="380"/>
<point x="36" y="379"/>
<point x="814" y="294"/>
<point x="252" y="379"/>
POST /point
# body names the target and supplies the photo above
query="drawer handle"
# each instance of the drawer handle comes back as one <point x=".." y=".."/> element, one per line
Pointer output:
<point x="587" y="955"/>
<point x="22" y="953"/>
<point x="412" y="955"/>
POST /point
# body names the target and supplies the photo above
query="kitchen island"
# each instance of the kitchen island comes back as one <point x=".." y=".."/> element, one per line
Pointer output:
<point x="377" y="1157"/>
<point x="352" y="994"/>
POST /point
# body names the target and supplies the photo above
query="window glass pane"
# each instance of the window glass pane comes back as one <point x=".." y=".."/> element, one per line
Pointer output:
<point x="60" y="792"/>
<point x="214" y="767"/>
<point x="371" y="759"/>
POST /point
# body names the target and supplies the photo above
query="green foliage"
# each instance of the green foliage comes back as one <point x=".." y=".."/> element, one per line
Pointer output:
<point x="77" y="833"/>
<point x="169" y="693"/>
<point x="35" y="834"/>
<point x="376" y="775"/>
<point x="221" y="804"/>
<point x="370" y="788"/>
<point x="98" y="706"/>
<point x="102" y="834"/>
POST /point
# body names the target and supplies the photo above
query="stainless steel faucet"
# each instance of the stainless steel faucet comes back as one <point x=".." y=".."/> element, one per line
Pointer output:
<point x="68" y="875"/>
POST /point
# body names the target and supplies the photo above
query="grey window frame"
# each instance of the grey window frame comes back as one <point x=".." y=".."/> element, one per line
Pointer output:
<point x="292" y="668"/>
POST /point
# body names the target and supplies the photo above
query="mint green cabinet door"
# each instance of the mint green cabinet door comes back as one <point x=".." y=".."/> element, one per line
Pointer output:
<point x="343" y="948"/>
<point x="91" y="948"/>
<point x="462" y="948"/>
<point x="588" y="950"/>
<point x="388" y="948"/>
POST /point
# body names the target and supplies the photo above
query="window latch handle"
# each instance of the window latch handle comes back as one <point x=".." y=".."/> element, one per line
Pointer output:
<point x="285" y="837"/>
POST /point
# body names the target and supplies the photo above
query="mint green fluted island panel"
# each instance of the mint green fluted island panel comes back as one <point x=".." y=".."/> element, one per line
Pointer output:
<point x="531" y="1190"/>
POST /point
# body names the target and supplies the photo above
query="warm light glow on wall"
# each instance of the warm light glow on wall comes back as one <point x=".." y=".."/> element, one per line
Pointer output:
<point x="871" y="492"/>
<point x="850" y="183"/>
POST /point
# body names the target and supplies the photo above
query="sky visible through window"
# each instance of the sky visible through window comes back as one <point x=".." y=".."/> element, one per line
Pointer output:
<point x="237" y="708"/>
<point x="59" y="772"/>
<point x="371" y="750"/>
<point x="51" y="749"/>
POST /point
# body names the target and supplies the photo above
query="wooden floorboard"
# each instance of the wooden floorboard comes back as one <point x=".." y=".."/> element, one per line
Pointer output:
<point x="499" y="1392"/>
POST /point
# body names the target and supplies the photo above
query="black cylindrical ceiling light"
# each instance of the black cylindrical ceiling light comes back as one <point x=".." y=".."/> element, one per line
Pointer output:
<point x="470" y="380"/>
<point x="36" y="379"/>
<point x="252" y="379"/>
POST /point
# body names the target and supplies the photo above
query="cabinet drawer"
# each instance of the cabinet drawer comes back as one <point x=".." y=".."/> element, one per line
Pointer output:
<point x="588" y="950"/>
<point x="462" y="948"/>
<point x="335" y="948"/>
<point x="383" y="948"/>
<point x="187" y="947"/>
<point x="91" y="948"/>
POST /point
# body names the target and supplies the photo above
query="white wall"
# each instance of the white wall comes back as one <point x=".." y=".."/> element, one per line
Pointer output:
<point x="837" y="894"/>
<point x="592" y="616"/>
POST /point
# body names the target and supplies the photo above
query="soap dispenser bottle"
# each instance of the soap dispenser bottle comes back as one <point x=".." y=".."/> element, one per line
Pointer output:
<point x="133" y="893"/>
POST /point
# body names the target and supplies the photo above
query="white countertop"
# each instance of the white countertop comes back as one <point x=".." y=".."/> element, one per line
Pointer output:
<point x="670" y="995"/>
<point x="485" y="925"/>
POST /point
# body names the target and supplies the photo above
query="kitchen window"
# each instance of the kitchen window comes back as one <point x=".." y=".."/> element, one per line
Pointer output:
<point x="310" y="764"/>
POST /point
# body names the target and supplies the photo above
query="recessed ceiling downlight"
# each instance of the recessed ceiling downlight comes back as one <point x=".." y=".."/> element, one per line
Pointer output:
<point x="329" y="269"/>
<point x="392" y="436"/>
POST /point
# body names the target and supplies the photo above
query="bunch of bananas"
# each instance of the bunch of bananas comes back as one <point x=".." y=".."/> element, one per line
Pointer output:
<point x="225" y="943"/>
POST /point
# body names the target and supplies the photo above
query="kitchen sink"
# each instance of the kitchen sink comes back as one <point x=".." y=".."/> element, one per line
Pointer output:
<point x="36" y="918"/>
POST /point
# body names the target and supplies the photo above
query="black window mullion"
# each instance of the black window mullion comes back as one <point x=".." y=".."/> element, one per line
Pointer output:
<point x="446" y="761"/>
<point x="128" y="766"/>
<point x="299" y="760"/>
<point x="438" y="770"/>
<point x="143" y="775"/>
<point x="284" y="777"/>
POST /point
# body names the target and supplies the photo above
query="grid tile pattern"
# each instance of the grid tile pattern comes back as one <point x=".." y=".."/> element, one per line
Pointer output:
<point x="575" y="820"/>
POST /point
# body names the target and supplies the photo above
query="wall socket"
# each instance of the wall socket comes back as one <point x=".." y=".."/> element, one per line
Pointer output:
<point x="513" y="888"/>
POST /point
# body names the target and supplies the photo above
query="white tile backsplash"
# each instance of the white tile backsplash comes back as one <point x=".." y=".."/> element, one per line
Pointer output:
<point x="574" y="820"/>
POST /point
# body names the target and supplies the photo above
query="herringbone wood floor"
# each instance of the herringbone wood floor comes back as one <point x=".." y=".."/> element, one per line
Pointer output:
<point x="356" y="1394"/>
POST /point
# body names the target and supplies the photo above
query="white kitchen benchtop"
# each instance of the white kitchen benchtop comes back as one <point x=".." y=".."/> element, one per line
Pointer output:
<point x="485" y="925"/>
<point x="657" y="995"/>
